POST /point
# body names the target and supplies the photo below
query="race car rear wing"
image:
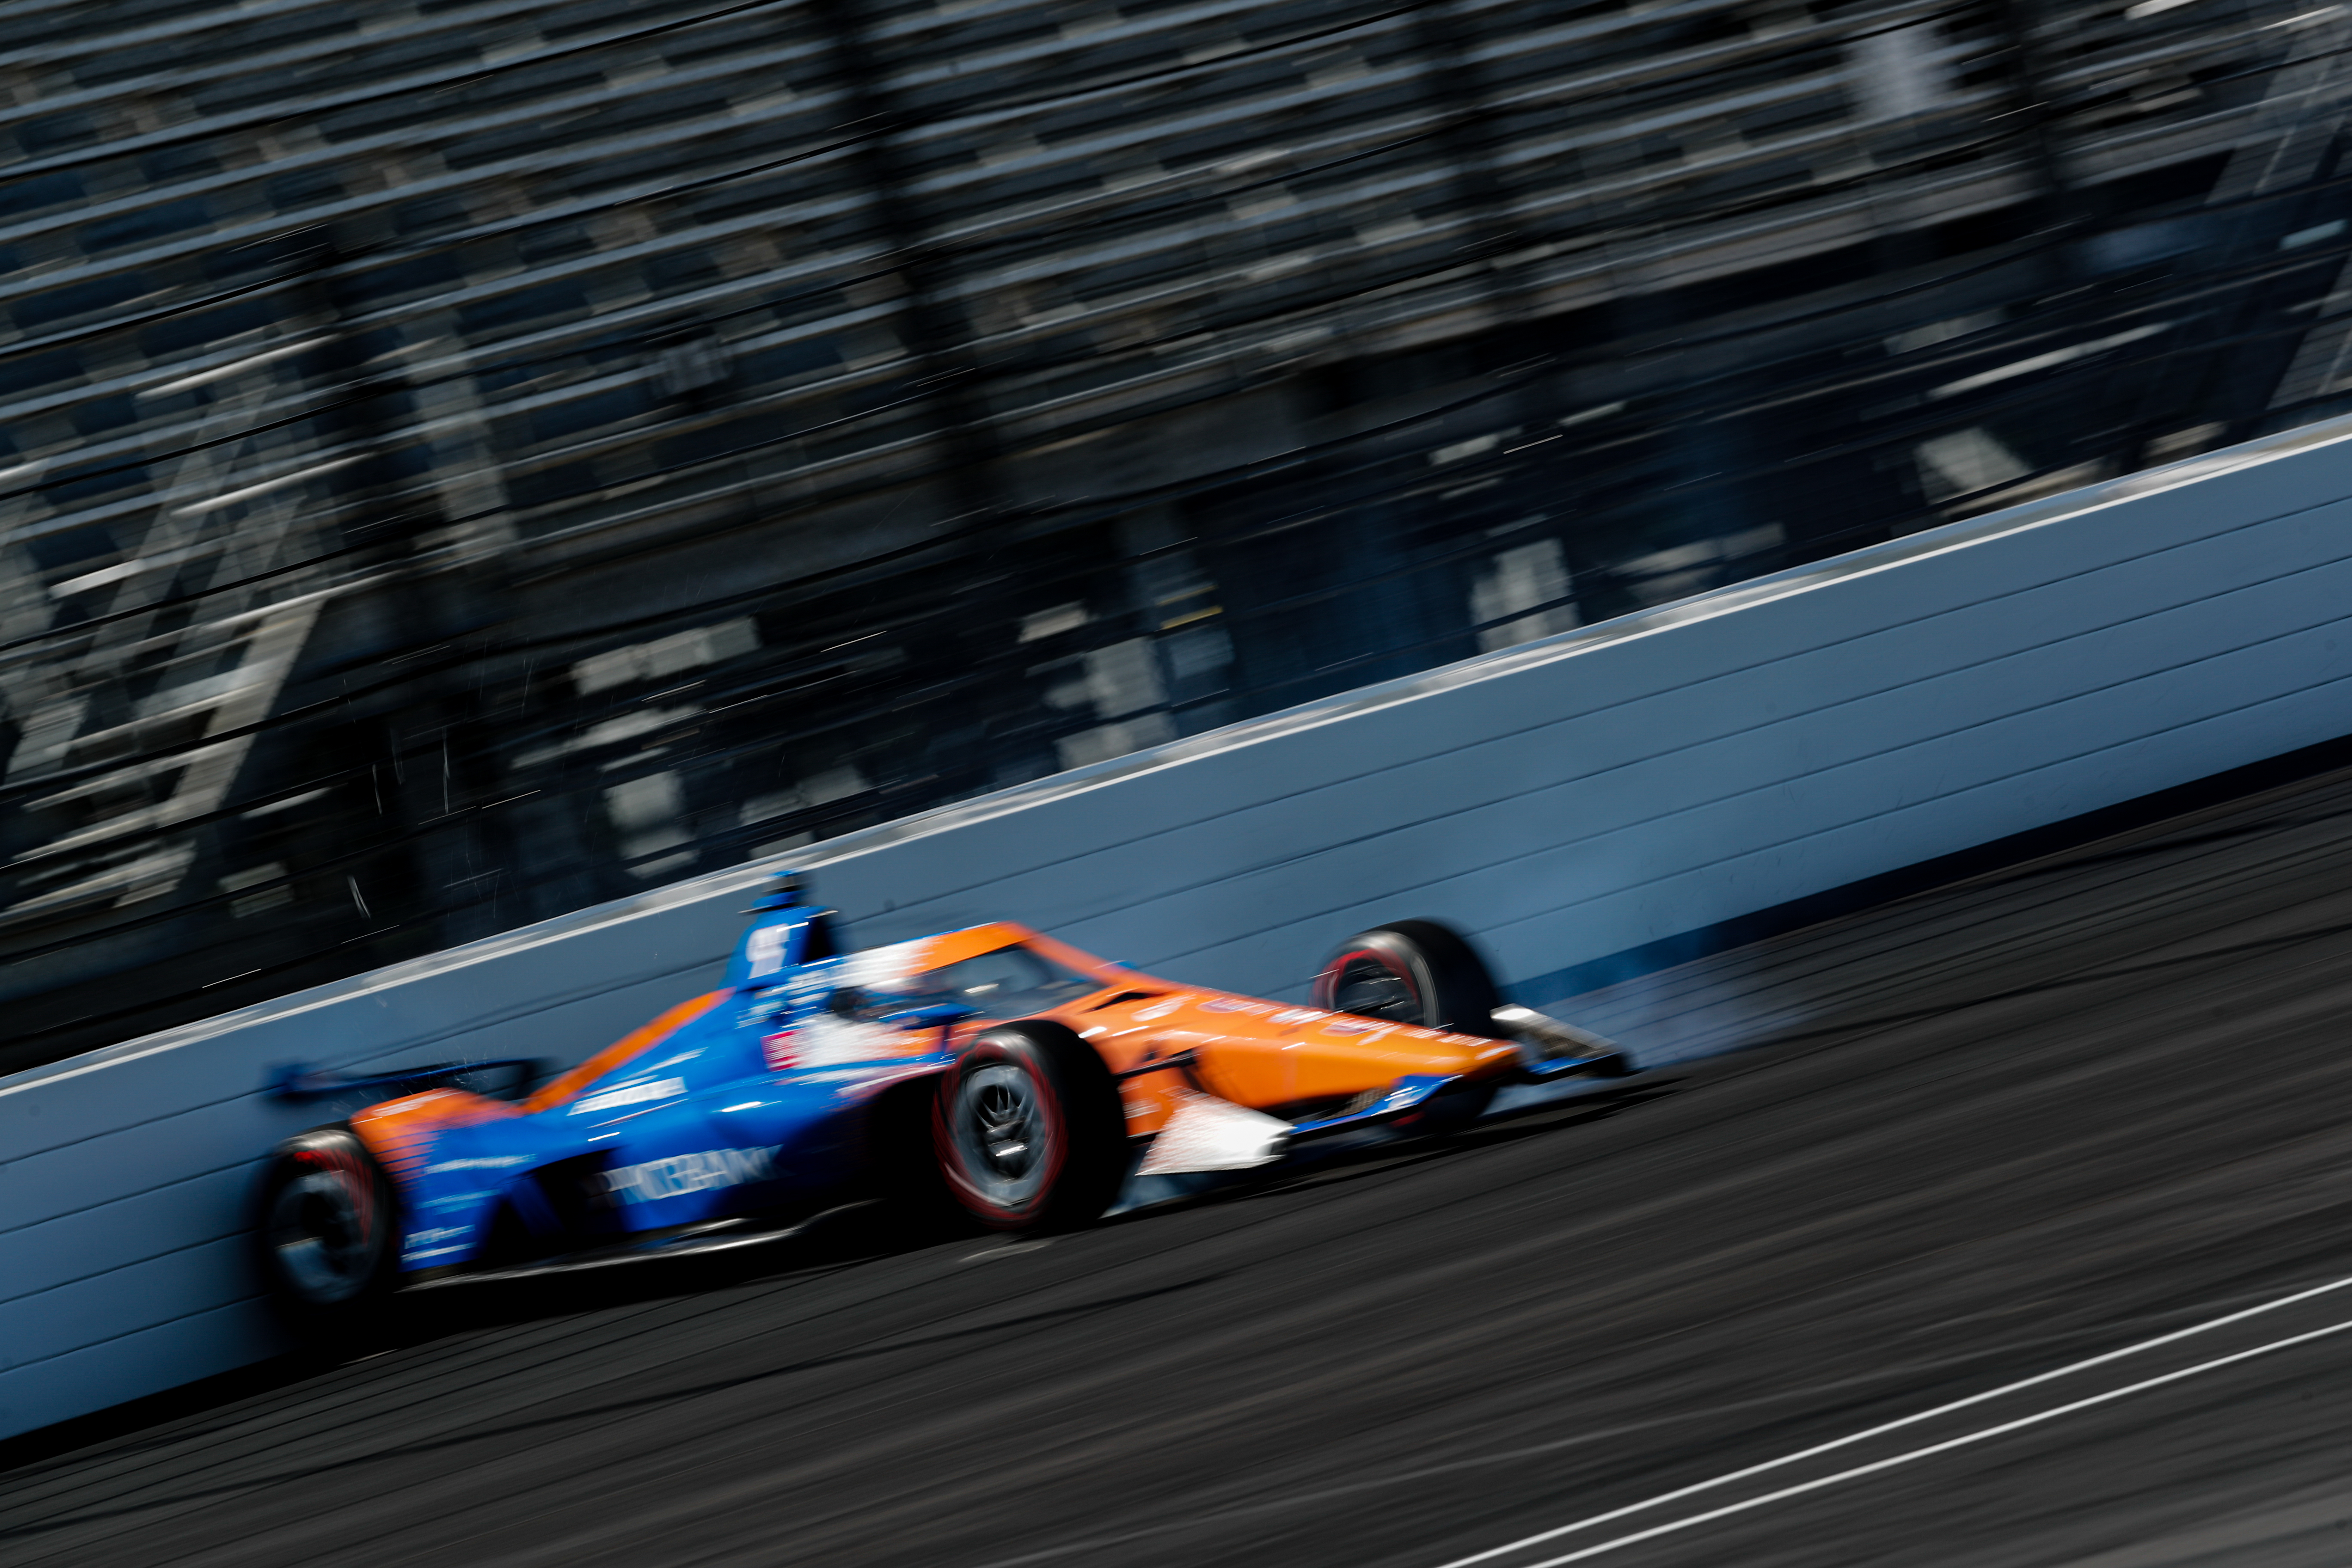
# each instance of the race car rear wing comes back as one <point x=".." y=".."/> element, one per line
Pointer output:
<point x="502" y="1078"/>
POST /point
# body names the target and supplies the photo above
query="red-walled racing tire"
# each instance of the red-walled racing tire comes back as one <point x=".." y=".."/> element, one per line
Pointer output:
<point x="1417" y="972"/>
<point x="1028" y="1130"/>
<point x="1410" y="972"/>
<point x="328" y="1233"/>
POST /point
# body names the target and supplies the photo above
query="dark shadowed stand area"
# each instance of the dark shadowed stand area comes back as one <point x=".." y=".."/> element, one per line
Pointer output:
<point x="461" y="464"/>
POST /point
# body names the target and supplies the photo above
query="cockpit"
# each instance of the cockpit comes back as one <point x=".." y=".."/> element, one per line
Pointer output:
<point x="1013" y="981"/>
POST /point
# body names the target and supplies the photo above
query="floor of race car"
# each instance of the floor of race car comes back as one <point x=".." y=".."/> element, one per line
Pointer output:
<point x="1986" y="1134"/>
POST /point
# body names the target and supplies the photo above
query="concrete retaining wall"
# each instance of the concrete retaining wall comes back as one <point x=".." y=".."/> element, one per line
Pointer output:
<point x="1564" y="801"/>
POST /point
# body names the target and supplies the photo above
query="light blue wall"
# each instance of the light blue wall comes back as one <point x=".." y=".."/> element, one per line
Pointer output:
<point x="1563" y="801"/>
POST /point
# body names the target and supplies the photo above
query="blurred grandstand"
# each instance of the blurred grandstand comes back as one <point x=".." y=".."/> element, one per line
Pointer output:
<point x="461" y="462"/>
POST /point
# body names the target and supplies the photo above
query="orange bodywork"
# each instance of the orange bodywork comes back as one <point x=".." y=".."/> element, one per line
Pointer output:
<point x="1296" y="1062"/>
<point x="1265" y="1054"/>
<point x="633" y="1043"/>
<point x="398" y="1131"/>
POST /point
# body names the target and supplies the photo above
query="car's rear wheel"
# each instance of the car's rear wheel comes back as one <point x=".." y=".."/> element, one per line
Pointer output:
<point x="1412" y="971"/>
<point x="330" y="1233"/>
<point x="1028" y="1130"/>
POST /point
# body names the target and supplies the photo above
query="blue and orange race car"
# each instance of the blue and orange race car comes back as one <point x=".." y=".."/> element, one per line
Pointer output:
<point x="988" y="1072"/>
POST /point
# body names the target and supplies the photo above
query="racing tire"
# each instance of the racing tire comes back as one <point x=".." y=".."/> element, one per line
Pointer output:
<point x="329" y="1235"/>
<point x="1029" y="1131"/>
<point x="1412" y="971"/>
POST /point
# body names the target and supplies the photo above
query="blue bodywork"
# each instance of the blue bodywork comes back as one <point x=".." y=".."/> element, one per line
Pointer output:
<point x="723" y="1114"/>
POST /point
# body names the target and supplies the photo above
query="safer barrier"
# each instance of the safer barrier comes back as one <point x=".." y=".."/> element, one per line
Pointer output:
<point x="1567" y="800"/>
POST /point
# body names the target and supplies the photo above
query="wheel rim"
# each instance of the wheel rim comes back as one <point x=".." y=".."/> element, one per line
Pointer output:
<point x="1368" y="985"/>
<point x="1004" y="1133"/>
<point x="321" y="1235"/>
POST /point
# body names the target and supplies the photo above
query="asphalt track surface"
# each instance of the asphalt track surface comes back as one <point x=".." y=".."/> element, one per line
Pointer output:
<point x="1982" y="1136"/>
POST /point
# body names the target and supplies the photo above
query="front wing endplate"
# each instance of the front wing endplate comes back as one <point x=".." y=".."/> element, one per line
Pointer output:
<point x="1205" y="1133"/>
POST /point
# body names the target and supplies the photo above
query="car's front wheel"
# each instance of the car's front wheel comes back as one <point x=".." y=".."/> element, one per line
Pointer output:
<point x="1410" y="972"/>
<point x="1417" y="972"/>
<point x="329" y="1231"/>
<point x="1028" y="1130"/>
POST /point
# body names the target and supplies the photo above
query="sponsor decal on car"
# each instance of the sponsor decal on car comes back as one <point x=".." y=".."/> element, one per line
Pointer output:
<point x="1300" y="1015"/>
<point x="630" y="1094"/>
<point x="479" y="1163"/>
<point x="884" y="968"/>
<point x="1351" y="1026"/>
<point x="422" y="1244"/>
<point x="765" y="950"/>
<point x="780" y="1050"/>
<point x="826" y="1041"/>
<point x="1161" y="1009"/>
<point x="683" y="1173"/>
<point x="850" y="1074"/>
<point x="1234" y="1004"/>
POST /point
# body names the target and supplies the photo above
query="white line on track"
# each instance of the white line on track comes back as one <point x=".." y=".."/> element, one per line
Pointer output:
<point x="1487" y="1461"/>
<point x="1965" y="1439"/>
<point x="1945" y="1446"/>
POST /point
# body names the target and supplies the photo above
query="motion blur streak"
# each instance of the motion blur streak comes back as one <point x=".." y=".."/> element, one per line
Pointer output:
<point x="1875" y="1466"/>
<point x="1863" y="1436"/>
<point x="1975" y="1163"/>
